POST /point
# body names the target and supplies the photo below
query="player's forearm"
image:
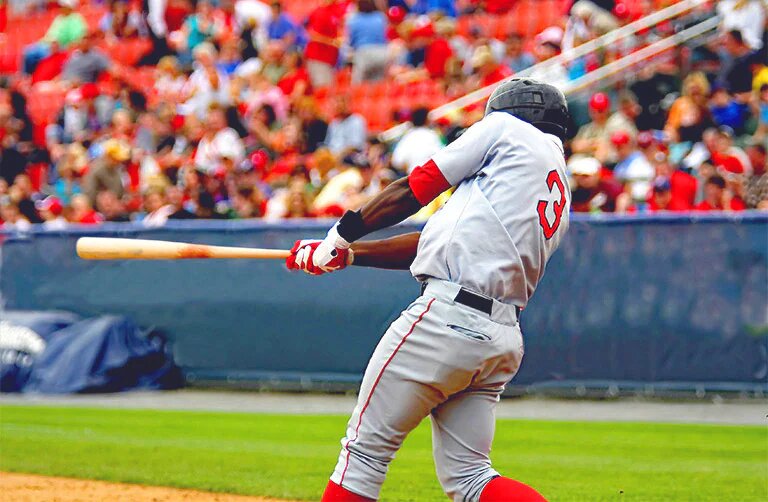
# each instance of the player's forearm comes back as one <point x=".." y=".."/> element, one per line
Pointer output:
<point x="396" y="253"/>
<point x="393" y="205"/>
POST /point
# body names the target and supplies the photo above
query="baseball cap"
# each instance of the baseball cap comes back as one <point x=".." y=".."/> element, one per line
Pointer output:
<point x="552" y="35"/>
<point x="51" y="204"/>
<point x="662" y="184"/>
<point x="599" y="102"/>
<point x="117" y="150"/>
<point x="644" y="139"/>
<point x="396" y="14"/>
<point x="584" y="166"/>
<point x="70" y="4"/>
<point x="620" y="138"/>
<point x="356" y="159"/>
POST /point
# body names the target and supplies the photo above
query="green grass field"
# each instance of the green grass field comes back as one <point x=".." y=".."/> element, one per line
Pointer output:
<point x="292" y="456"/>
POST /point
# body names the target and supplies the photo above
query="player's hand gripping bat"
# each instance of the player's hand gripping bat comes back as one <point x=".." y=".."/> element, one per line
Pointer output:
<point x="107" y="248"/>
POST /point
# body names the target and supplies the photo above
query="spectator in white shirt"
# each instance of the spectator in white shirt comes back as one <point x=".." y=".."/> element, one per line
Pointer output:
<point x="348" y="131"/>
<point x="221" y="146"/>
<point x="206" y="85"/>
<point x="417" y="145"/>
<point x="747" y="16"/>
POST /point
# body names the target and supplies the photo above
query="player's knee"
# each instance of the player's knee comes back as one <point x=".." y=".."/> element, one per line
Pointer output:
<point x="465" y="483"/>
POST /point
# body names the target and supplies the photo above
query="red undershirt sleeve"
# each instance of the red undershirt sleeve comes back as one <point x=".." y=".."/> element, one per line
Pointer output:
<point x="427" y="182"/>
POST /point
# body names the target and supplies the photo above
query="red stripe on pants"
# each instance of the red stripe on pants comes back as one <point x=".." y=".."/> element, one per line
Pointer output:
<point x="378" y="378"/>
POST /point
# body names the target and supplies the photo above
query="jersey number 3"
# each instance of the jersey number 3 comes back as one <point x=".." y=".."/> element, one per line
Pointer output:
<point x="549" y="229"/>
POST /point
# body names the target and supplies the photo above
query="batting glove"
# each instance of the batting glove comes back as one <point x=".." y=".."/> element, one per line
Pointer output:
<point x="303" y="253"/>
<point x="334" y="249"/>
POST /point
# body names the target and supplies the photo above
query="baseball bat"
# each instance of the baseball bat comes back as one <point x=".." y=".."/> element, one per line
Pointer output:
<point x="107" y="248"/>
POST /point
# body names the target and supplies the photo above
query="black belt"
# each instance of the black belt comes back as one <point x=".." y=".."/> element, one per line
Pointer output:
<point x="473" y="300"/>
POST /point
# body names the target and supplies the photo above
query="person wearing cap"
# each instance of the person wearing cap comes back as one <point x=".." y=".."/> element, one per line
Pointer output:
<point x="106" y="172"/>
<point x="66" y="29"/>
<point x="727" y="157"/>
<point x="591" y="193"/>
<point x="594" y="138"/>
<point x="51" y="210"/>
<point x="661" y="198"/>
<point x="547" y="46"/>
<point x="632" y="169"/>
<point x="349" y="179"/>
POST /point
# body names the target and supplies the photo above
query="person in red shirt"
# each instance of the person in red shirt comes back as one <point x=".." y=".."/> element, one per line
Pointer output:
<point x="662" y="198"/>
<point x="437" y="55"/>
<point x="322" y="52"/>
<point x="717" y="198"/>
<point x="489" y="71"/>
<point x="683" y="185"/>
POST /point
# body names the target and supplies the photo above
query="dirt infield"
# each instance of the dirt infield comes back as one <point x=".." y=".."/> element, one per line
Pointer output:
<point x="32" y="488"/>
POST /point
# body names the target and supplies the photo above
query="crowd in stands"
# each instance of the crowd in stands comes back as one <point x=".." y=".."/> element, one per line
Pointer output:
<point x="253" y="109"/>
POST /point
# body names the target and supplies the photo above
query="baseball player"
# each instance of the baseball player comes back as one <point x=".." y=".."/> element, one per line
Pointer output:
<point x="479" y="260"/>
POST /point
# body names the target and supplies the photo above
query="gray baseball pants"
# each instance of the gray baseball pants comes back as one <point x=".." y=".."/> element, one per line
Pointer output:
<point x="443" y="359"/>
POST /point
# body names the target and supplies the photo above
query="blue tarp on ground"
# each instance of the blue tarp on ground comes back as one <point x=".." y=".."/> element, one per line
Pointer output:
<point x="57" y="353"/>
<point x="678" y="300"/>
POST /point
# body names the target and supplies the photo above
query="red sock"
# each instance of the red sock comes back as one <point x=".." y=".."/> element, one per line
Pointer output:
<point x="337" y="493"/>
<point x="503" y="489"/>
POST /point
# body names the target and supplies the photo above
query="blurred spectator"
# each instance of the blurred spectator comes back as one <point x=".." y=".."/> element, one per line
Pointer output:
<point x="122" y="20"/>
<point x="282" y="27"/>
<point x="206" y="85"/>
<point x="347" y="131"/>
<point x="51" y="210"/>
<point x="67" y="28"/>
<point x="756" y="190"/>
<point x="23" y="196"/>
<point x="11" y="217"/>
<point x="107" y="171"/>
<point x="110" y="207"/>
<point x="632" y="168"/>
<point x="689" y="115"/>
<point x="86" y="62"/>
<point x="69" y="166"/>
<point x="488" y="70"/>
<point x="727" y="111"/>
<point x="590" y="192"/>
<point x="517" y="58"/>
<point x="736" y="71"/>
<point x="322" y="52"/>
<point x="746" y="16"/>
<point x="548" y="44"/>
<point x="82" y="211"/>
<point x="157" y="210"/>
<point x="594" y="138"/>
<point x="417" y="145"/>
<point x="445" y="7"/>
<point x="661" y="197"/>
<point x="717" y="198"/>
<point x="366" y="36"/>
<point x="726" y="156"/>
<point x="221" y="146"/>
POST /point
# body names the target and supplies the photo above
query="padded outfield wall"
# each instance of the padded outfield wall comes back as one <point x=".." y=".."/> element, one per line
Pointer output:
<point x="643" y="302"/>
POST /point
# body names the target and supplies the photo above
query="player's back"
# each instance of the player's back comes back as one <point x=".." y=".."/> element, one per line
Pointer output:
<point x="508" y="214"/>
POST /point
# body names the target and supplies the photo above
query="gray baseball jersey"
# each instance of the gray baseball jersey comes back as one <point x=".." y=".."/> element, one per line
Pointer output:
<point x="443" y="357"/>
<point x="508" y="214"/>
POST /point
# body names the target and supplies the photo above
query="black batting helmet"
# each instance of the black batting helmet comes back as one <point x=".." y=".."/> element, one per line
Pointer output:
<point x="532" y="101"/>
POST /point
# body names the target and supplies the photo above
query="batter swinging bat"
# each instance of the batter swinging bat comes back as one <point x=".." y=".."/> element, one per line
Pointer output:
<point x="107" y="248"/>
